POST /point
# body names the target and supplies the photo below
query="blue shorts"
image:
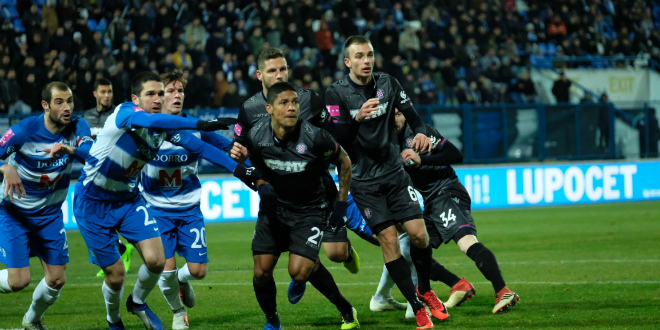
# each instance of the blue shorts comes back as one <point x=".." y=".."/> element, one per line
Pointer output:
<point x="99" y="223"/>
<point x="23" y="237"/>
<point x="184" y="235"/>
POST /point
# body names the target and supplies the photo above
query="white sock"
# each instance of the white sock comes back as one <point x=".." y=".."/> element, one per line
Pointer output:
<point x="169" y="285"/>
<point x="112" y="302"/>
<point x="184" y="274"/>
<point x="404" y="244"/>
<point x="4" y="281"/>
<point x="42" y="298"/>
<point x="145" y="283"/>
<point x="384" y="287"/>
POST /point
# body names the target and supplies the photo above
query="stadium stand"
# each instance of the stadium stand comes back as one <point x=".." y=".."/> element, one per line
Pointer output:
<point x="432" y="47"/>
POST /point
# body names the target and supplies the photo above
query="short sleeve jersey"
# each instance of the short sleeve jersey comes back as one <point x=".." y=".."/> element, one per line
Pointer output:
<point x="294" y="166"/>
<point x="312" y="110"/>
<point x="428" y="179"/>
<point x="46" y="179"/>
<point x="375" y="150"/>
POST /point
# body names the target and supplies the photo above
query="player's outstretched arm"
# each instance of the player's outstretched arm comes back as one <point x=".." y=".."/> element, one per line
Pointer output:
<point x="13" y="182"/>
<point x="207" y="151"/>
<point x="161" y="121"/>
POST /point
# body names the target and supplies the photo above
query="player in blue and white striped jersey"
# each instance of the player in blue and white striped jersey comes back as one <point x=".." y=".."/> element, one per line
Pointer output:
<point x="107" y="197"/>
<point x="35" y="186"/>
<point x="172" y="190"/>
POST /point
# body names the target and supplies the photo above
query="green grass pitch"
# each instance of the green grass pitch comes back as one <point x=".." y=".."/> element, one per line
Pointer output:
<point x="587" y="267"/>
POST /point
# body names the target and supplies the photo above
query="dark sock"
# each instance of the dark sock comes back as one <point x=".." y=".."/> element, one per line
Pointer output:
<point x="440" y="273"/>
<point x="350" y="256"/>
<point x="421" y="258"/>
<point x="487" y="264"/>
<point x="323" y="281"/>
<point x="266" y="296"/>
<point x="122" y="247"/>
<point x="400" y="273"/>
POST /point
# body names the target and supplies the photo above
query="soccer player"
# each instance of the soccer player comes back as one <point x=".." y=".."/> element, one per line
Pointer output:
<point x="447" y="212"/>
<point x="293" y="154"/>
<point x="34" y="188"/>
<point x="107" y="198"/>
<point x="96" y="117"/>
<point x="172" y="190"/>
<point x="273" y="68"/>
<point x="362" y="109"/>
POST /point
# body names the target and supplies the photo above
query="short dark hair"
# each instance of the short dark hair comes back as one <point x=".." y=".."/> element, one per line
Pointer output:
<point x="102" y="82"/>
<point x="47" y="92"/>
<point x="353" y="40"/>
<point x="138" y="81"/>
<point x="278" y="88"/>
<point x="176" y="75"/>
<point x="268" y="53"/>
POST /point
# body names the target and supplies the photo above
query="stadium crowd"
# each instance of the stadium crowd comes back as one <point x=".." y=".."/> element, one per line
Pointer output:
<point x="451" y="51"/>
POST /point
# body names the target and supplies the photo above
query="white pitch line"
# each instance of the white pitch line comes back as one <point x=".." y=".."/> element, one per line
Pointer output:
<point x="202" y="283"/>
<point x="555" y="262"/>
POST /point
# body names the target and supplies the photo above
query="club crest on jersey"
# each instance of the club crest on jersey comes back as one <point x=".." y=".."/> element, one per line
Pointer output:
<point x="409" y="142"/>
<point x="301" y="148"/>
<point x="380" y="93"/>
<point x="367" y="213"/>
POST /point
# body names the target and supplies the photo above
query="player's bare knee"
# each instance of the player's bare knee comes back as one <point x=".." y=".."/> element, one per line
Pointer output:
<point x="56" y="283"/>
<point x="198" y="272"/>
<point x="337" y="255"/>
<point x="466" y="242"/>
<point x="18" y="284"/>
<point x="262" y="274"/>
<point x="155" y="265"/>
<point x="419" y="239"/>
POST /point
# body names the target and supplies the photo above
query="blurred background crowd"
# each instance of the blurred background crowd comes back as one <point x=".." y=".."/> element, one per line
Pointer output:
<point x="442" y="51"/>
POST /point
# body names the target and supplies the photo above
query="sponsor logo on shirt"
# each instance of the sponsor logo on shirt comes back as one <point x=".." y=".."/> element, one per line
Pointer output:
<point x="404" y="98"/>
<point x="286" y="165"/>
<point x="6" y="137"/>
<point x="238" y="129"/>
<point x="137" y="109"/>
<point x="333" y="110"/>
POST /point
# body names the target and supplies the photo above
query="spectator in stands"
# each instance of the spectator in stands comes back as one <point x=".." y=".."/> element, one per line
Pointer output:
<point x="195" y="32"/>
<point x="181" y="58"/>
<point x="199" y="88"/>
<point x="449" y="77"/>
<point x="324" y="40"/>
<point x="587" y="98"/>
<point x="604" y="122"/>
<point x="220" y="87"/>
<point x="409" y="43"/>
<point x="97" y="115"/>
<point x="561" y="88"/>
<point x="10" y="95"/>
<point x="557" y="29"/>
<point x="525" y="86"/>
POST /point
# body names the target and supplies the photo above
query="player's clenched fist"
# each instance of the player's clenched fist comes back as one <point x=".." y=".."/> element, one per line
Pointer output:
<point x="368" y="109"/>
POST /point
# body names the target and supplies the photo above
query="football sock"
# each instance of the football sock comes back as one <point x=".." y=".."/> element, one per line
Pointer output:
<point x="169" y="285"/>
<point x="385" y="286"/>
<point x="422" y="260"/>
<point x="145" y="283"/>
<point x="323" y="281"/>
<point x="184" y="274"/>
<point x="4" y="281"/>
<point x="400" y="273"/>
<point x="440" y="273"/>
<point x="266" y="297"/>
<point x="112" y="302"/>
<point x="404" y="244"/>
<point x="487" y="264"/>
<point x="121" y="246"/>
<point x="350" y="256"/>
<point x="42" y="298"/>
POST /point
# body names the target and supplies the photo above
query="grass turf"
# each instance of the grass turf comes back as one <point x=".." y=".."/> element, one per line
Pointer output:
<point x="588" y="267"/>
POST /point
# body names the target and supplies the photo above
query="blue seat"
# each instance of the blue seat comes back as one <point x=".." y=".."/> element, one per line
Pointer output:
<point x="552" y="49"/>
<point x="39" y="3"/>
<point x="543" y="47"/>
<point x="103" y="24"/>
<point x="18" y="25"/>
<point x="92" y="24"/>
<point x="8" y="3"/>
<point x="9" y="12"/>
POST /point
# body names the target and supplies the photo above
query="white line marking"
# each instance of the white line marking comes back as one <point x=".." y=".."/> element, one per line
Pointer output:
<point x="202" y="283"/>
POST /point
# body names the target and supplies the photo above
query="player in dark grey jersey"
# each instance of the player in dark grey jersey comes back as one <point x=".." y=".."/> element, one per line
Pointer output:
<point x="362" y="109"/>
<point x="447" y="213"/>
<point x="292" y="155"/>
<point x="272" y="69"/>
